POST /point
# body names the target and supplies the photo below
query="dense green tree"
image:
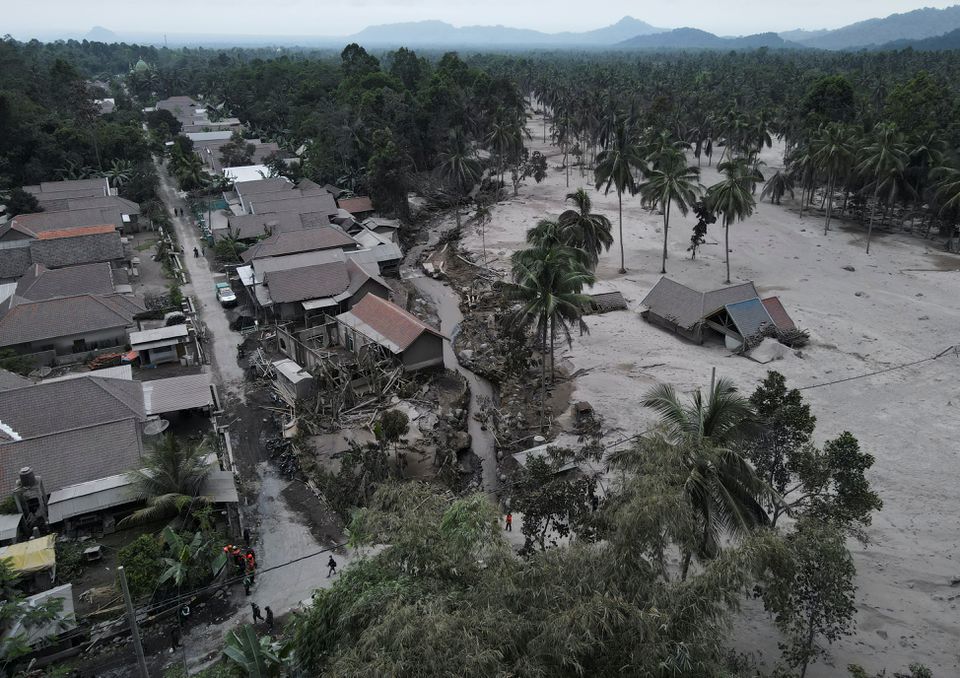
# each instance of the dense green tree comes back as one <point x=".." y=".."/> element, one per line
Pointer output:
<point x="388" y="174"/>
<point x="811" y="592"/>
<point x="459" y="168"/>
<point x="170" y="481"/>
<point x="20" y="201"/>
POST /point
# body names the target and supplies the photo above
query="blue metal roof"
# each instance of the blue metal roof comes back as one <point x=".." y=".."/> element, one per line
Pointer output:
<point x="749" y="316"/>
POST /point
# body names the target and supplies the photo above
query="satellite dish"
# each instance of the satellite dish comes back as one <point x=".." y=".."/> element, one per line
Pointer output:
<point x="155" y="427"/>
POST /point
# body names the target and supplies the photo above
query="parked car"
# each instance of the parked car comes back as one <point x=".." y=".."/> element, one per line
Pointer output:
<point x="225" y="295"/>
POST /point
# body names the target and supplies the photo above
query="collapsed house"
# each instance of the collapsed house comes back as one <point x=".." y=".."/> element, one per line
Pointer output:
<point x="737" y="313"/>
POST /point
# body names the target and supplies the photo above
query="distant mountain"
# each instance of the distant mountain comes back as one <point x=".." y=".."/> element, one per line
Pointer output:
<point x="917" y="25"/>
<point x="694" y="38"/>
<point x="800" y="34"/>
<point x="947" y="41"/>
<point x="100" y="34"/>
<point x="442" y="34"/>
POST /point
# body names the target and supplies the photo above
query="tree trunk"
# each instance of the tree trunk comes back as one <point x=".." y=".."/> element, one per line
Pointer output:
<point x="826" y="226"/>
<point x="566" y="165"/>
<point x="553" y="344"/>
<point x="726" y="244"/>
<point x="666" y="228"/>
<point x="811" y="630"/>
<point x="543" y="377"/>
<point x="457" y="210"/>
<point x="620" y="207"/>
<point x="873" y="213"/>
<point x="685" y="566"/>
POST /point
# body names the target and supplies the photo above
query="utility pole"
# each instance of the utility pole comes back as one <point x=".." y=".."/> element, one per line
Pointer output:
<point x="713" y="379"/>
<point x="132" y="618"/>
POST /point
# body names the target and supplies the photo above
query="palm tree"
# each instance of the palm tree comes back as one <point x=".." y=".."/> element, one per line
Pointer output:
<point x="670" y="181"/>
<point x="585" y="230"/>
<point x="779" y="184"/>
<point x="191" y="173"/>
<point x="885" y="161"/>
<point x="732" y="198"/>
<point x="170" y="480"/>
<point x="832" y="152"/>
<point x="721" y="486"/>
<point x="119" y="172"/>
<point x="506" y="138"/>
<point x="615" y="168"/>
<point x="547" y="284"/>
<point x="547" y="238"/>
<point x="459" y="167"/>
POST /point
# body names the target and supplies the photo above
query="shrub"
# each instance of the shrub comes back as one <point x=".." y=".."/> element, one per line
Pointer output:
<point x="142" y="561"/>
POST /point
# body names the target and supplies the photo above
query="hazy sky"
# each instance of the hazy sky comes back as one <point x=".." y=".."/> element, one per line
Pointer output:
<point x="342" y="17"/>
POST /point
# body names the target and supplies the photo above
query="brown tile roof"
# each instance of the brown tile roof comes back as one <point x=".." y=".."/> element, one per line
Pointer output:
<point x="356" y="205"/>
<point x="76" y="232"/>
<point x="309" y="282"/>
<point x="390" y="321"/>
<point x="779" y="314"/>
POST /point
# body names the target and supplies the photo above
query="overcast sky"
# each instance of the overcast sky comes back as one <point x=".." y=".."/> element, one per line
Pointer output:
<point x="343" y="17"/>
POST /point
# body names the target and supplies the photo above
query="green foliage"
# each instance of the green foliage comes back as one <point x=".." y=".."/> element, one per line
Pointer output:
<point x="70" y="561"/>
<point x="363" y="468"/>
<point x="785" y="430"/>
<point x="388" y="173"/>
<point x="811" y="592"/>
<point x="192" y="560"/>
<point x="169" y="481"/>
<point x="555" y="503"/>
<point x="253" y="656"/>
<point x="237" y="152"/>
<point x="21" y="202"/>
<point x="175" y="295"/>
<point x="12" y="361"/>
<point x="8" y="505"/>
<point x="705" y="217"/>
<point x="829" y="99"/>
<point x="447" y="594"/>
<point x="15" y="610"/>
<point x="142" y="561"/>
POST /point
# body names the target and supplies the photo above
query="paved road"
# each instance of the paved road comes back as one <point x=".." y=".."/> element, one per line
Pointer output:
<point x="283" y="534"/>
<point x="222" y="341"/>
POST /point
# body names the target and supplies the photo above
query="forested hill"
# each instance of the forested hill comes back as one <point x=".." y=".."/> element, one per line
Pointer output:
<point x="948" y="41"/>
<point x="917" y="25"/>
<point x="694" y="38"/>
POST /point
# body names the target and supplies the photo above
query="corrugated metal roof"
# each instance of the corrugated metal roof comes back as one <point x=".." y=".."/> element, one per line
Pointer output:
<point x="749" y="316"/>
<point x="157" y="334"/>
<point x="96" y="495"/>
<point x="177" y="393"/>
<point x="9" y="525"/>
<point x="65" y="618"/>
<point x="779" y="313"/>
<point x="220" y="487"/>
<point x="124" y="372"/>
<point x="686" y="306"/>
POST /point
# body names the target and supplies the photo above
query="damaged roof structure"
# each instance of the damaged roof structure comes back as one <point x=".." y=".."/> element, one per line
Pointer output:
<point x="736" y="312"/>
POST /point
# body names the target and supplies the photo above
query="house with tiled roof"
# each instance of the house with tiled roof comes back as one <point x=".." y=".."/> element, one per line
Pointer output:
<point x="67" y="329"/>
<point x="70" y="431"/>
<point x="376" y="321"/>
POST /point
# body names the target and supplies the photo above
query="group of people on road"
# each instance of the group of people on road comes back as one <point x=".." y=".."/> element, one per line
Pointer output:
<point x="244" y="563"/>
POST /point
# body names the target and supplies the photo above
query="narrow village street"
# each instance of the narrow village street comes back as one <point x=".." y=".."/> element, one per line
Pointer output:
<point x="283" y="516"/>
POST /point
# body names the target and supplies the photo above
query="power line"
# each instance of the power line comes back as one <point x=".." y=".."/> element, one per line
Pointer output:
<point x="955" y="349"/>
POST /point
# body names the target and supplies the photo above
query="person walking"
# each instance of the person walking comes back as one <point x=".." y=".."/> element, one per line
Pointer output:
<point x="246" y="536"/>
<point x="509" y="523"/>
<point x="247" y="583"/>
<point x="174" y="639"/>
<point x="269" y="617"/>
<point x="196" y="253"/>
<point x="256" y="612"/>
<point x="332" y="567"/>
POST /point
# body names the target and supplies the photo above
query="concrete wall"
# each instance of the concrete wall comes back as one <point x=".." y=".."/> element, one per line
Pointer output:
<point x="63" y="346"/>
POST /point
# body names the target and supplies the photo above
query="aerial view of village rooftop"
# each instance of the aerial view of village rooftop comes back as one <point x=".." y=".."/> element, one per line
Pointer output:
<point x="531" y="340"/>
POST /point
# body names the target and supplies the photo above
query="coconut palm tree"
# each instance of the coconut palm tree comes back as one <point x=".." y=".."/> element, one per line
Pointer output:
<point x="732" y="198"/>
<point x="506" y="140"/>
<point x="615" y="166"/>
<point x="548" y="284"/>
<point x="884" y="163"/>
<point x="671" y="182"/>
<point x="833" y="153"/>
<point x="169" y="481"/>
<point x="119" y="172"/>
<point x="779" y="184"/>
<point x="547" y="238"/>
<point x="721" y="485"/>
<point x="585" y="230"/>
<point x="459" y="167"/>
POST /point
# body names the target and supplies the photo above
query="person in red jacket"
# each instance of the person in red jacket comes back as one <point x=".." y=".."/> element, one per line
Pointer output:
<point x="509" y="525"/>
